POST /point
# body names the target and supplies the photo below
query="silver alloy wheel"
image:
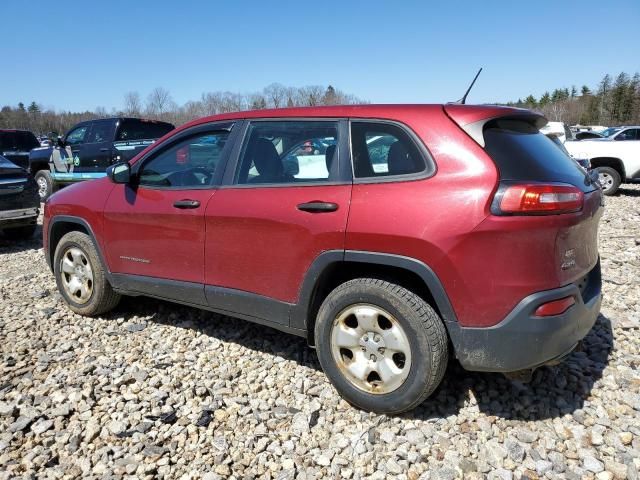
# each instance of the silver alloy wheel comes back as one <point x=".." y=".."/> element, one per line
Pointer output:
<point x="370" y="348"/>
<point x="43" y="187"/>
<point x="76" y="275"/>
<point x="606" y="180"/>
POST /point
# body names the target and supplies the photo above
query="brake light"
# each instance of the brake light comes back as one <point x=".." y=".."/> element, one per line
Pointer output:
<point x="537" y="199"/>
<point x="555" y="308"/>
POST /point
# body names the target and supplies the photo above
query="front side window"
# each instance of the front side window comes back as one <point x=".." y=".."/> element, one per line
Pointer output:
<point x="189" y="163"/>
<point x="288" y="152"/>
<point x="77" y="135"/>
<point x="383" y="149"/>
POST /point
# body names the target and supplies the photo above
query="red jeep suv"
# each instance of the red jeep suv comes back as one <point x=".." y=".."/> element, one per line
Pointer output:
<point x="386" y="235"/>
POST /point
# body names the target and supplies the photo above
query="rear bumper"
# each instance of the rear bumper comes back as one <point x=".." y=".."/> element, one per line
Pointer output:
<point x="523" y="341"/>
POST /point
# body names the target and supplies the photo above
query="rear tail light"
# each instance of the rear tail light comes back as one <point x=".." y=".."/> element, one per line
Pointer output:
<point x="537" y="199"/>
<point x="555" y="307"/>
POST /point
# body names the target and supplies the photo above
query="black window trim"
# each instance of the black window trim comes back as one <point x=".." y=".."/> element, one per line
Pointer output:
<point x="226" y="125"/>
<point x="344" y="155"/>
<point x="430" y="165"/>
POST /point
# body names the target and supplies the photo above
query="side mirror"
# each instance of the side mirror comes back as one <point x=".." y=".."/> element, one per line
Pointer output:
<point x="119" y="172"/>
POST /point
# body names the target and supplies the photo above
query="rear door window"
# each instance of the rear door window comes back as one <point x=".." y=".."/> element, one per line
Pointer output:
<point x="100" y="132"/>
<point x="382" y="150"/>
<point x="522" y="153"/>
<point x="300" y="151"/>
<point x="134" y="129"/>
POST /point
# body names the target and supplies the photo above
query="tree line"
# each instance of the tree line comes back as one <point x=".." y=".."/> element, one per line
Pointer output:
<point x="613" y="102"/>
<point x="159" y="105"/>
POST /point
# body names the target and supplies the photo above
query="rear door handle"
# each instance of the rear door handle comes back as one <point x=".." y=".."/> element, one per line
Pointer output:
<point x="105" y="149"/>
<point x="186" y="204"/>
<point x="318" y="207"/>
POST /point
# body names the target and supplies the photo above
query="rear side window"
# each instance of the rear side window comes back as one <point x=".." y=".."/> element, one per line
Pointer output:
<point x="522" y="153"/>
<point x="383" y="149"/>
<point x="131" y="129"/>
<point x="100" y="132"/>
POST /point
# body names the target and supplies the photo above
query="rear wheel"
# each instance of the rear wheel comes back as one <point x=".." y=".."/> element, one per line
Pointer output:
<point x="382" y="346"/>
<point x="81" y="277"/>
<point x="610" y="180"/>
<point x="45" y="184"/>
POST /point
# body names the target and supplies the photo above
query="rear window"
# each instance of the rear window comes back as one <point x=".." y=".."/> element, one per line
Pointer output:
<point x="142" y="130"/>
<point x="21" y="141"/>
<point x="522" y="153"/>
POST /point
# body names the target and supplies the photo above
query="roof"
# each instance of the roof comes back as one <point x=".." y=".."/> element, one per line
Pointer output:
<point x="470" y="113"/>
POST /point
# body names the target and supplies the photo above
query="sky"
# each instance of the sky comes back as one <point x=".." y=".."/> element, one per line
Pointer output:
<point x="88" y="54"/>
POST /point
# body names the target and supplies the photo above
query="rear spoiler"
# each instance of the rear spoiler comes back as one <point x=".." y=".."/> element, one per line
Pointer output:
<point x="472" y="119"/>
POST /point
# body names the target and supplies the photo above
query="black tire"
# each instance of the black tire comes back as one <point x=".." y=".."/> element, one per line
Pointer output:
<point x="103" y="298"/>
<point x="20" y="233"/>
<point x="46" y="185"/>
<point x="612" y="182"/>
<point x="424" y="331"/>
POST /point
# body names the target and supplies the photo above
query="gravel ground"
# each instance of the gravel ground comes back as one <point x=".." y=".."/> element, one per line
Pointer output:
<point x="159" y="390"/>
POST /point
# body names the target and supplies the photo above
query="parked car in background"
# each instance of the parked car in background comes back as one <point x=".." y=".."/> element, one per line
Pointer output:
<point x="559" y="129"/>
<point x="616" y="157"/>
<point x="89" y="148"/>
<point x="15" y="145"/>
<point x="19" y="201"/>
<point x="381" y="269"/>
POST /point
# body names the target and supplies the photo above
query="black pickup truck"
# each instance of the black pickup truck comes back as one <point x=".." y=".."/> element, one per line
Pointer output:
<point x="89" y="148"/>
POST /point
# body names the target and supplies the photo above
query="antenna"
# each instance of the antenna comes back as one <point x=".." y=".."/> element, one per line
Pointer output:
<point x="463" y="100"/>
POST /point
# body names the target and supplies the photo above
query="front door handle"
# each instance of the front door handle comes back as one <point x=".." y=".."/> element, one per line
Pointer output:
<point x="105" y="149"/>
<point x="318" y="207"/>
<point x="186" y="204"/>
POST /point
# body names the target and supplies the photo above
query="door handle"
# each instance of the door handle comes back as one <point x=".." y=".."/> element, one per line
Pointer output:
<point x="318" y="207"/>
<point x="186" y="204"/>
<point x="105" y="149"/>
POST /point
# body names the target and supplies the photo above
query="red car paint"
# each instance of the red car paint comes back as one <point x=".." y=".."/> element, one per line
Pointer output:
<point x="255" y="240"/>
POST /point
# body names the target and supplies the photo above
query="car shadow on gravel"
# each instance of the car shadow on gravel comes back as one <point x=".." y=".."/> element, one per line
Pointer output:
<point x="628" y="192"/>
<point x="8" y="245"/>
<point x="553" y="392"/>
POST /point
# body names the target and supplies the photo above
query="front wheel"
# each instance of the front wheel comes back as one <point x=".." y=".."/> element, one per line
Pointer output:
<point x="81" y="277"/>
<point x="610" y="180"/>
<point x="383" y="347"/>
<point x="45" y="184"/>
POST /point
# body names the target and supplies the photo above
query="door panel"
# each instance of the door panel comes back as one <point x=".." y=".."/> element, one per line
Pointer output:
<point x="145" y="234"/>
<point x="259" y="241"/>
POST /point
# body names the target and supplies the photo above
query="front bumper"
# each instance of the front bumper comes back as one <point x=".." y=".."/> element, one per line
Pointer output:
<point x="523" y="341"/>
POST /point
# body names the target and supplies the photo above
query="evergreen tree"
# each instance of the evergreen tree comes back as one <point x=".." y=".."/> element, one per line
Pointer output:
<point x="34" y="108"/>
<point x="585" y="91"/>
<point x="545" y="99"/>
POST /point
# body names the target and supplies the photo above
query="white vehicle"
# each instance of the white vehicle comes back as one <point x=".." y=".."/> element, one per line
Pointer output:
<point x="559" y="129"/>
<point x="616" y="158"/>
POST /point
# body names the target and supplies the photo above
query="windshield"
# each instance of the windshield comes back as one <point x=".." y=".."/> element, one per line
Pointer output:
<point x="521" y="153"/>
<point x="607" y="132"/>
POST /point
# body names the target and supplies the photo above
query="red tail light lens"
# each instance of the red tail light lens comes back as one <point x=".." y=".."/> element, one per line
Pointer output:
<point x="555" y="308"/>
<point x="537" y="199"/>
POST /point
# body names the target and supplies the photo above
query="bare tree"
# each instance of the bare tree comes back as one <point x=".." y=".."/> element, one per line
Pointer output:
<point x="132" y="104"/>
<point x="158" y="101"/>
<point x="276" y="95"/>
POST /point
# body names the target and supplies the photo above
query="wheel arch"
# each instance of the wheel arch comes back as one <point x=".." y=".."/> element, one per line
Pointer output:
<point x="335" y="267"/>
<point x="59" y="226"/>
<point x="612" y="162"/>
